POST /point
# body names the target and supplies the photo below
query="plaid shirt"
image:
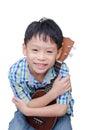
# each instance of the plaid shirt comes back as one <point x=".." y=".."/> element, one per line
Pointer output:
<point x="24" y="84"/>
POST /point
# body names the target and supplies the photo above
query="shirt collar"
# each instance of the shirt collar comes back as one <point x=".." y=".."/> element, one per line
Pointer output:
<point x="49" y="75"/>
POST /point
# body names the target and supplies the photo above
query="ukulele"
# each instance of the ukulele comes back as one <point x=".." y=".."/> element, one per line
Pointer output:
<point x="47" y="123"/>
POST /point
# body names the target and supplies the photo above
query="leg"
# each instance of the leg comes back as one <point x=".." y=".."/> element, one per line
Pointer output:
<point x="63" y="123"/>
<point x="19" y="122"/>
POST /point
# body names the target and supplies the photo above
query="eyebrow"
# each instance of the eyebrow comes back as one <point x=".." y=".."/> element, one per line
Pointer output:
<point x="48" y="47"/>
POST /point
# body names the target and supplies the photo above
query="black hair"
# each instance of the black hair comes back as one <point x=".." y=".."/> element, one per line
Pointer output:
<point x="45" y="28"/>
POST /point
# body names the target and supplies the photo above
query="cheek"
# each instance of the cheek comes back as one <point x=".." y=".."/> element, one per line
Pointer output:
<point x="30" y="57"/>
<point x="29" y="54"/>
<point x="52" y="60"/>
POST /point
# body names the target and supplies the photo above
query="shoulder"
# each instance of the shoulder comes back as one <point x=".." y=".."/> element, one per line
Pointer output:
<point x="64" y="70"/>
<point x="16" y="68"/>
<point x="64" y="66"/>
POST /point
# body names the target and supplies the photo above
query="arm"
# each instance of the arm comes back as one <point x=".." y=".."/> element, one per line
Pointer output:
<point x="52" y="110"/>
<point x="60" y="86"/>
<point x="47" y="111"/>
<point x="19" y="91"/>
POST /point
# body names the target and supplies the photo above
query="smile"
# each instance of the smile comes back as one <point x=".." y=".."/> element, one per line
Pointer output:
<point x="40" y="65"/>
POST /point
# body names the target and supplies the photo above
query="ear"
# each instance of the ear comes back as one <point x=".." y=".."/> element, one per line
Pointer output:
<point x="24" y="49"/>
<point x="58" y="54"/>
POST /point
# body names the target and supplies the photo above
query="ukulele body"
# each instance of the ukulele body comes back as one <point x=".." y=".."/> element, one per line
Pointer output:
<point x="41" y="123"/>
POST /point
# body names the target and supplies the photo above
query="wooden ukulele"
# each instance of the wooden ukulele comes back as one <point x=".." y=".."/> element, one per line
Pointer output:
<point x="47" y="123"/>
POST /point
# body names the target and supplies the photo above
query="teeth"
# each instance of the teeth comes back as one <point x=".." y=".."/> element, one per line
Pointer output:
<point x="40" y="64"/>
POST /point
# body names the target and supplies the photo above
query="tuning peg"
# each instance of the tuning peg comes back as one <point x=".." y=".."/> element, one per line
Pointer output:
<point x="74" y="47"/>
<point x="69" y="46"/>
<point x="65" y="54"/>
<point x="70" y="54"/>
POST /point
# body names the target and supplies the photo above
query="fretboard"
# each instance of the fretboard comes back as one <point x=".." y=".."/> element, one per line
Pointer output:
<point x="57" y="67"/>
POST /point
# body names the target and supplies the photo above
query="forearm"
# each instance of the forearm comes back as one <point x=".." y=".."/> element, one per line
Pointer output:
<point x="43" y="100"/>
<point x="59" y="87"/>
<point x="55" y="91"/>
<point x="55" y="110"/>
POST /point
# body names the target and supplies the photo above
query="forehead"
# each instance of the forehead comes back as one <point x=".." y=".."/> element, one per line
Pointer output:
<point x="42" y="38"/>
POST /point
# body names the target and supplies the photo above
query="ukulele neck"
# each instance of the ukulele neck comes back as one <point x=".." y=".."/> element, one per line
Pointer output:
<point x="57" y="67"/>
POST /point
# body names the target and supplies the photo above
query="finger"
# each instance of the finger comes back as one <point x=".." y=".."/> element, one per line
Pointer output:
<point x="59" y="77"/>
<point x="67" y="78"/>
<point x="68" y="86"/>
<point x="16" y="100"/>
<point x="68" y="83"/>
<point x="68" y="89"/>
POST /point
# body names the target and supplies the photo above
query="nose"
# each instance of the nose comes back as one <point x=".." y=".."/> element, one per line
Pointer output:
<point x="41" y="56"/>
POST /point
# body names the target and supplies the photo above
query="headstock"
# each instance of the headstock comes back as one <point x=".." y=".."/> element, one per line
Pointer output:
<point x="66" y="48"/>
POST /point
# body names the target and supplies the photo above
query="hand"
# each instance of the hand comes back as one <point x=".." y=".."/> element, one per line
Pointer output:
<point x="20" y="105"/>
<point x="61" y="85"/>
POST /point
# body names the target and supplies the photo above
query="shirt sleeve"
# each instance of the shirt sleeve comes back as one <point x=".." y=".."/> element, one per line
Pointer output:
<point x="19" y="91"/>
<point x="66" y="98"/>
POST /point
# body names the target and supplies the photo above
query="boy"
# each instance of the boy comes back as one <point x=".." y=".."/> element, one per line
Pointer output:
<point x="42" y="48"/>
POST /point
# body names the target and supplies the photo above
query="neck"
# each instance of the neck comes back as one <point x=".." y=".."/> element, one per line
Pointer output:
<point x="40" y="78"/>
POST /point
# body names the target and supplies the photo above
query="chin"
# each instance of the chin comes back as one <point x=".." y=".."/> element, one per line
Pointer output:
<point x="41" y="71"/>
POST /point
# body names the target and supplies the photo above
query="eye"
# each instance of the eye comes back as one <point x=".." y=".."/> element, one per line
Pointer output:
<point x="34" y="49"/>
<point x="49" y="51"/>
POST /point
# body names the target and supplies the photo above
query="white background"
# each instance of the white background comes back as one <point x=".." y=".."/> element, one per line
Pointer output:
<point x="15" y="15"/>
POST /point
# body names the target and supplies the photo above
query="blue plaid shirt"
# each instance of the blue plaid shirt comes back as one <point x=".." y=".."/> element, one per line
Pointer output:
<point x="24" y="84"/>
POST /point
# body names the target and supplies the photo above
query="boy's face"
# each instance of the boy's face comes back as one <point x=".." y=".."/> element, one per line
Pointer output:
<point x="41" y="55"/>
